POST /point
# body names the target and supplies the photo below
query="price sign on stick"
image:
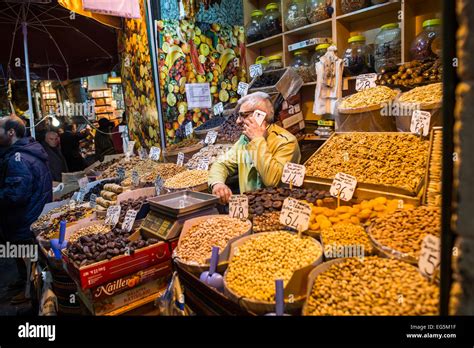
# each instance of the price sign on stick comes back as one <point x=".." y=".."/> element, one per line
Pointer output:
<point x="130" y="147"/>
<point x="343" y="186"/>
<point x="93" y="200"/>
<point x="239" y="206"/>
<point x="211" y="137"/>
<point x="293" y="174"/>
<point x="142" y="153"/>
<point x="365" y="81"/>
<point x="430" y="257"/>
<point x="256" y="70"/>
<point x="121" y="173"/>
<point x="159" y="184"/>
<point x="80" y="195"/>
<point x="155" y="153"/>
<point x="180" y="159"/>
<point x="218" y="108"/>
<point x="188" y="129"/>
<point x="135" y="178"/>
<point x="113" y="215"/>
<point x="203" y="164"/>
<point x="129" y="219"/>
<point x="295" y="214"/>
<point x="420" y="120"/>
<point x="242" y="89"/>
<point x="83" y="182"/>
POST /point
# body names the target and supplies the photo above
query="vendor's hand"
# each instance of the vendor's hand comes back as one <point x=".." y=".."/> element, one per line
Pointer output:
<point x="223" y="192"/>
<point x="252" y="130"/>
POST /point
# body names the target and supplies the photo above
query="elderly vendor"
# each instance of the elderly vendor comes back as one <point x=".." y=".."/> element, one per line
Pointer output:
<point x="261" y="152"/>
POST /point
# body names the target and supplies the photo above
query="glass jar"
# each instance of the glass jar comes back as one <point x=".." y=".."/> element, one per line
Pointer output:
<point x="428" y="43"/>
<point x="317" y="10"/>
<point x="319" y="51"/>
<point x="358" y="57"/>
<point x="254" y="27"/>
<point x="388" y="47"/>
<point x="348" y="6"/>
<point x="296" y="15"/>
<point x="274" y="63"/>
<point x="271" y="20"/>
<point x="301" y="63"/>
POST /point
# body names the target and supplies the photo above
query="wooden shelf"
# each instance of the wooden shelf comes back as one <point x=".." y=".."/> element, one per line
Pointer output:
<point x="311" y="28"/>
<point x="269" y="41"/>
<point x="369" y="12"/>
<point x="313" y="83"/>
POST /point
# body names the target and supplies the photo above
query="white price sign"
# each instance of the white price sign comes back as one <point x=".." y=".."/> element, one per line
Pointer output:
<point x="420" y="120"/>
<point x="344" y="186"/>
<point x="113" y="215"/>
<point x="155" y="153"/>
<point x="93" y="200"/>
<point x="129" y="219"/>
<point x="80" y="195"/>
<point x="218" y="108"/>
<point x="188" y="129"/>
<point x="180" y="159"/>
<point x="293" y="173"/>
<point x="159" y="185"/>
<point x="239" y="206"/>
<point x="83" y="182"/>
<point x="203" y="164"/>
<point x="295" y="214"/>
<point x="256" y="70"/>
<point x="211" y="137"/>
<point x="365" y="81"/>
<point x="242" y="89"/>
<point x="135" y="178"/>
<point x="142" y="153"/>
<point x="430" y="257"/>
<point x="130" y="147"/>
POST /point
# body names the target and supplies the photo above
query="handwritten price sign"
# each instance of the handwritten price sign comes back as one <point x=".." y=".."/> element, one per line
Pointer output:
<point x="343" y="186"/>
<point x="242" y="89"/>
<point x="155" y="153"/>
<point x="256" y="70"/>
<point x="295" y="214"/>
<point x="211" y="137"/>
<point x="239" y="206"/>
<point x="129" y="220"/>
<point x="420" y="120"/>
<point x="180" y="159"/>
<point x="218" y="108"/>
<point x="293" y="174"/>
<point x="113" y="215"/>
<point x="365" y="81"/>
<point x="430" y="257"/>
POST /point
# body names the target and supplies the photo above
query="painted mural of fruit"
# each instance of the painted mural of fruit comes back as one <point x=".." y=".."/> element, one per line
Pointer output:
<point x="223" y="96"/>
<point x="204" y="49"/>
<point x="171" y="99"/>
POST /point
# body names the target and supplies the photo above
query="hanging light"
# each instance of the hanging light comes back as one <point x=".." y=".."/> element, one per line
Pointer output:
<point x="54" y="121"/>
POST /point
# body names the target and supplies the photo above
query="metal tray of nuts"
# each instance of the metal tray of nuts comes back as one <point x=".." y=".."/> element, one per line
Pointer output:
<point x="182" y="202"/>
<point x="361" y="185"/>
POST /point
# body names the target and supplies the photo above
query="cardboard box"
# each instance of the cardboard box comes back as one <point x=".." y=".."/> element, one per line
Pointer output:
<point x="100" y="272"/>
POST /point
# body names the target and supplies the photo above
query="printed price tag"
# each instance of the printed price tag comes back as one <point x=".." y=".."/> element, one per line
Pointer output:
<point x="93" y="200"/>
<point x="259" y="116"/>
<point x="188" y="129"/>
<point x="130" y="147"/>
<point x="159" y="185"/>
<point x="293" y="173"/>
<point x="83" y="182"/>
<point x="242" y="89"/>
<point x="218" y="108"/>
<point x="204" y="164"/>
<point x="135" y="178"/>
<point x="142" y="153"/>
<point x="211" y="137"/>
<point x="155" y="153"/>
<point x="430" y="257"/>
<point x="180" y="159"/>
<point x="295" y="214"/>
<point x="343" y="185"/>
<point x="256" y="70"/>
<point x="129" y="219"/>
<point x="113" y="215"/>
<point x="365" y="81"/>
<point x="420" y="120"/>
<point x="239" y="206"/>
<point x="121" y="173"/>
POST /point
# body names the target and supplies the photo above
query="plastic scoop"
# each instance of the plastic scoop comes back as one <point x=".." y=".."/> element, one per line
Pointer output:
<point x="211" y="277"/>
<point x="60" y="243"/>
<point x="279" y="299"/>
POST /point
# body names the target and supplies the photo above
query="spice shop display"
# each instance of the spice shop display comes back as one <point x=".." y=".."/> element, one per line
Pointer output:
<point x="254" y="29"/>
<point x="196" y="52"/>
<point x="388" y="47"/>
<point x="348" y="6"/>
<point x="371" y="98"/>
<point x="428" y="43"/>
<point x="99" y="187"/>
<point x="347" y="237"/>
<point x="358" y="57"/>
<point x="230" y="131"/>
<point x="370" y="286"/>
<point x="424" y="96"/>
<point x="412" y="74"/>
<point x="104" y="166"/>
<point x="268" y="79"/>
<point x="388" y="159"/>
<point x="267" y="222"/>
<point x="97" y="228"/>
<point x="302" y="64"/>
<point x="211" y="152"/>
<point x="271" y="20"/>
<point x="131" y="204"/>
<point x="318" y="10"/>
<point x="434" y="189"/>
<point x="108" y="197"/>
<point x="274" y="63"/>
<point x="188" y="179"/>
<point x="400" y="234"/>
<point x="212" y="123"/>
<point x="296" y="14"/>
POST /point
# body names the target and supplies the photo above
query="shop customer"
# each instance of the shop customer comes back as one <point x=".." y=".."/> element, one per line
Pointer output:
<point x="56" y="161"/>
<point x="25" y="187"/>
<point x="260" y="153"/>
<point x="71" y="148"/>
<point x="103" y="141"/>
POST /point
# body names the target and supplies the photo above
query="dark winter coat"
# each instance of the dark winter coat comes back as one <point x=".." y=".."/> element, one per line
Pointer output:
<point x="56" y="161"/>
<point x="25" y="187"/>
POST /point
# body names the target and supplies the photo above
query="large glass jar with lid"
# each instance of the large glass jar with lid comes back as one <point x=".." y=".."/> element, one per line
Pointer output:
<point x="319" y="51"/>
<point x="296" y="14"/>
<point x="348" y="6"/>
<point x="272" y="20"/>
<point x="254" y="28"/>
<point x="318" y="10"/>
<point x="274" y="62"/>
<point x="428" y="43"/>
<point x="388" y="47"/>
<point x="358" y="58"/>
<point x="302" y="64"/>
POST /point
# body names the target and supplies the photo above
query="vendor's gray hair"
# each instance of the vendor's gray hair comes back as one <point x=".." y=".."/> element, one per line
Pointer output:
<point x="260" y="101"/>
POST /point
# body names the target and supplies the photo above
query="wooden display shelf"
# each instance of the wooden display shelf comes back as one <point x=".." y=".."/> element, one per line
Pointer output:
<point x="269" y="41"/>
<point x="370" y="12"/>
<point x="311" y="28"/>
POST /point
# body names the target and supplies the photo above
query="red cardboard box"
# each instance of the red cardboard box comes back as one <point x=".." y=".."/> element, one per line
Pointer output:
<point x="101" y="272"/>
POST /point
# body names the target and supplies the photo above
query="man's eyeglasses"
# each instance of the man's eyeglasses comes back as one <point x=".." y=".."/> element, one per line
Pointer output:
<point x="245" y="114"/>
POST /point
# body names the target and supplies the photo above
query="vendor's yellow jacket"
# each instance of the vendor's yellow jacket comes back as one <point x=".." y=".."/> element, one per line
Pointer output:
<point x="259" y="162"/>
